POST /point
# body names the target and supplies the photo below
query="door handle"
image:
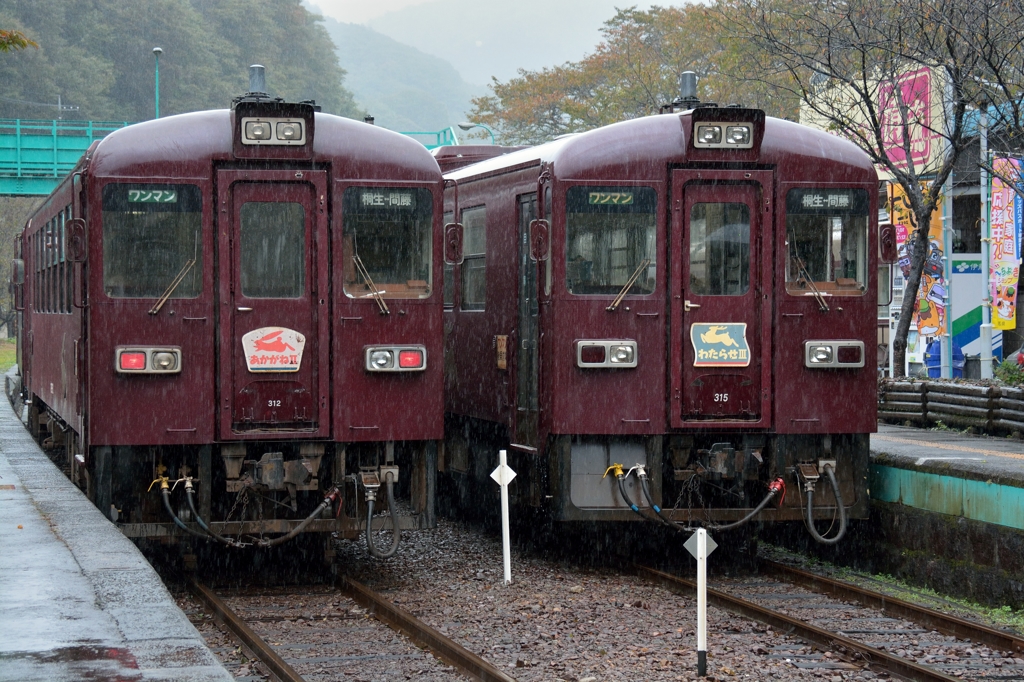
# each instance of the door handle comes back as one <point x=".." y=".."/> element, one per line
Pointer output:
<point x="687" y="306"/>
<point x="244" y="310"/>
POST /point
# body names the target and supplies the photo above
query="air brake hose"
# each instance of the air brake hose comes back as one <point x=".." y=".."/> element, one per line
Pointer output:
<point x="396" y="533"/>
<point x="329" y="500"/>
<point x="774" y="488"/>
<point x="165" y="492"/>
<point x="190" y="494"/>
<point x="620" y="478"/>
<point x="809" y="515"/>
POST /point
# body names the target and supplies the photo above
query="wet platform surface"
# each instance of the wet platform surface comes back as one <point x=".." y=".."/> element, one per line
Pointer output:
<point x="77" y="599"/>
<point x="974" y="477"/>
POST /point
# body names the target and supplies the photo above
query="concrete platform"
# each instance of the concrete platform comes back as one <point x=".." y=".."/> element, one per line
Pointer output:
<point x="77" y="599"/>
<point x="975" y="477"/>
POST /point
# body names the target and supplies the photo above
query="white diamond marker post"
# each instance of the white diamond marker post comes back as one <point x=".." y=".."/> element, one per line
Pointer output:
<point x="503" y="475"/>
<point x="700" y="545"/>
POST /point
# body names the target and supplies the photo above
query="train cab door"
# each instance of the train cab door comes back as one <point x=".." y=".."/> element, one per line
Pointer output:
<point x="272" y="290"/>
<point x="527" y="337"/>
<point x="721" y="288"/>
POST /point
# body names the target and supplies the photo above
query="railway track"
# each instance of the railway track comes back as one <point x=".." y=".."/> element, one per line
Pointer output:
<point x="906" y="640"/>
<point x="306" y="635"/>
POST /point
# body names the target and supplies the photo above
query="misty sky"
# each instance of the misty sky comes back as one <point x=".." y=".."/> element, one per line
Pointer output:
<point x="488" y="38"/>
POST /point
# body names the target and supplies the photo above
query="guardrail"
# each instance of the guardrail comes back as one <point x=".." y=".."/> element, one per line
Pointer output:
<point x="989" y="409"/>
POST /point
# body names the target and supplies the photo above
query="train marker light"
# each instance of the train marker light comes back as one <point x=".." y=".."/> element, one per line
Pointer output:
<point x="257" y="130"/>
<point x="606" y="354"/>
<point x="147" y="360"/>
<point x="709" y="135"/>
<point x="395" y="358"/>
<point x="834" y="354"/>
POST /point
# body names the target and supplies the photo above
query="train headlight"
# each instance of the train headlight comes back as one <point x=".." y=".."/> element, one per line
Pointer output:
<point x="257" y="130"/>
<point x="622" y="355"/>
<point x="289" y="131"/>
<point x="605" y="353"/>
<point x="724" y="135"/>
<point x="834" y="354"/>
<point x="820" y="355"/>
<point x="147" y="360"/>
<point x="382" y="359"/>
<point x="709" y="135"/>
<point x="164" y="361"/>
<point x="273" y="131"/>
<point x="738" y="135"/>
<point x="395" y="358"/>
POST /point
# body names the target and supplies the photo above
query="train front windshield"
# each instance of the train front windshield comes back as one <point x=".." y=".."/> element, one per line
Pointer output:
<point x="610" y="237"/>
<point x="827" y="241"/>
<point x="387" y="242"/>
<point x="151" y="235"/>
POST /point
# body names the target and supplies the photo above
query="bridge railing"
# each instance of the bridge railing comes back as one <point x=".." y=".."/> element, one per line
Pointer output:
<point x="35" y="154"/>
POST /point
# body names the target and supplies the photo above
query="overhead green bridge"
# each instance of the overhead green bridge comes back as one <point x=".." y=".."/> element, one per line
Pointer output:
<point x="36" y="155"/>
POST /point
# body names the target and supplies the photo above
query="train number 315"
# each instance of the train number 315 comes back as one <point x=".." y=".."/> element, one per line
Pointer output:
<point x="721" y="397"/>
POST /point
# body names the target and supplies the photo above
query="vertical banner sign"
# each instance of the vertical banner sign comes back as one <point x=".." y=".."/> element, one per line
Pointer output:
<point x="930" y="311"/>
<point x="1005" y="247"/>
<point x="912" y="92"/>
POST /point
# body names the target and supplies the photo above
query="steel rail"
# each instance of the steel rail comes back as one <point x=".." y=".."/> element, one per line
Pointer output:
<point x="935" y="620"/>
<point x="811" y="633"/>
<point x="446" y="649"/>
<point x="253" y="645"/>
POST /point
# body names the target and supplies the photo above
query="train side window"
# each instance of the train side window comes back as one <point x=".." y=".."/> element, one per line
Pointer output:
<point x="826" y="241"/>
<point x="720" y="249"/>
<point x="387" y="233"/>
<point x="474" y="264"/>
<point x="150" y="233"/>
<point x="610" y="235"/>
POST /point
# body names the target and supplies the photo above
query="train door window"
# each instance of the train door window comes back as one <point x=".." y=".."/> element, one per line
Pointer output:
<point x="610" y="237"/>
<point x="151" y="235"/>
<point x="826" y="241"/>
<point x="474" y="264"/>
<point x="386" y="244"/>
<point x="273" y="249"/>
<point x="720" y="249"/>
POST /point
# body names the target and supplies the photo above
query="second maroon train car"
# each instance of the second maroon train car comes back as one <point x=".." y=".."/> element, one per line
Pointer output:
<point x="669" y="317"/>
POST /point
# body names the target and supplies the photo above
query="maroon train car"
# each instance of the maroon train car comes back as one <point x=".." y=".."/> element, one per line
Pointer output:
<point x="670" y="317"/>
<point x="238" y="307"/>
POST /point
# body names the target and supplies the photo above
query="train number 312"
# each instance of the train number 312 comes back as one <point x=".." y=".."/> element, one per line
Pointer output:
<point x="273" y="403"/>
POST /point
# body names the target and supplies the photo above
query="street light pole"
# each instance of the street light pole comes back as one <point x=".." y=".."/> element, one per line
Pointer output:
<point x="156" y="82"/>
<point x="467" y="125"/>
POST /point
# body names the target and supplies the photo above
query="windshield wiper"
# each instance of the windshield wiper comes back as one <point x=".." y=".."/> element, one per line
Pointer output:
<point x="818" y="296"/>
<point x="173" y="285"/>
<point x="629" y="284"/>
<point x="377" y="294"/>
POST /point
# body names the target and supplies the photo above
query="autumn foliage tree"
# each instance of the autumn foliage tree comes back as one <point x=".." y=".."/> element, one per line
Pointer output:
<point x="632" y="72"/>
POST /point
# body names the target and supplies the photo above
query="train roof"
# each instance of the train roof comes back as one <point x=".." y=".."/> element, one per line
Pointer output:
<point x="635" y="147"/>
<point x="191" y="141"/>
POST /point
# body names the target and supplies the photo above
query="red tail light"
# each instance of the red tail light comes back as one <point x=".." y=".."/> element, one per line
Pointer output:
<point x="848" y="355"/>
<point x="410" y="358"/>
<point x="592" y="355"/>
<point x="132" y="361"/>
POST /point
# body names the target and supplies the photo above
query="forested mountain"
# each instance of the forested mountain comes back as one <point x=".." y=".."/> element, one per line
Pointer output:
<point x="97" y="55"/>
<point x="403" y="88"/>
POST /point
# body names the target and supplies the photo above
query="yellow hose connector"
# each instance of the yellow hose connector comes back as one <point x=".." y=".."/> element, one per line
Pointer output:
<point x="615" y="468"/>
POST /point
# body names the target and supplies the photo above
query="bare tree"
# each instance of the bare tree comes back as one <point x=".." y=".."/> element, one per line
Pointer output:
<point x="858" y="68"/>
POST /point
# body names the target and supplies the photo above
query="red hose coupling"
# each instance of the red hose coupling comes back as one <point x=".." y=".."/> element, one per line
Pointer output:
<point x="778" y="486"/>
